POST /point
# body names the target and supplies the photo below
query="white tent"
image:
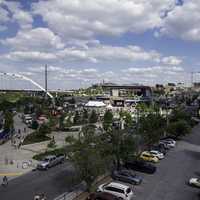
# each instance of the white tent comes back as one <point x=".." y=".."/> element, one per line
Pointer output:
<point x="109" y="106"/>
<point x="95" y="104"/>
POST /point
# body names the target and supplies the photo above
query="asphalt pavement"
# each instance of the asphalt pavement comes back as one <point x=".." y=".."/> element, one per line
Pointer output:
<point x="170" y="182"/>
<point x="52" y="183"/>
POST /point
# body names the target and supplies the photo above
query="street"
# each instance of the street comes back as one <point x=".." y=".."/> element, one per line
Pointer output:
<point x="52" y="183"/>
<point x="170" y="180"/>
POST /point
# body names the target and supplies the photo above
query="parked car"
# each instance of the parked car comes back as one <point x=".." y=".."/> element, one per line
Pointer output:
<point x="127" y="176"/>
<point x="102" y="196"/>
<point x="51" y="161"/>
<point x="169" y="139"/>
<point x="120" y="190"/>
<point x="146" y="156"/>
<point x="159" y="148"/>
<point x="140" y="165"/>
<point x="156" y="153"/>
<point x="164" y="145"/>
<point x="194" y="182"/>
<point x="169" y="143"/>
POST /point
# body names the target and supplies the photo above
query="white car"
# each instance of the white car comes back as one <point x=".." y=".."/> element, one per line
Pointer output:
<point x="158" y="154"/>
<point x="170" y="144"/>
<point x="118" y="189"/>
<point x="194" y="182"/>
<point x="170" y="140"/>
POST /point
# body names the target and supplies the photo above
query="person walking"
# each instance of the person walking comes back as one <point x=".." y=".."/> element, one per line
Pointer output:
<point x="5" y="181"/>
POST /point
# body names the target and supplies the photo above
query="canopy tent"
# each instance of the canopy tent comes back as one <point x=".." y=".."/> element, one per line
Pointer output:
<point x="95" y="104"/>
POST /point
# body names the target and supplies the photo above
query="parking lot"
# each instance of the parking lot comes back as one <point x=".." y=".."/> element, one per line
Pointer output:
<point x="173" y="173"/>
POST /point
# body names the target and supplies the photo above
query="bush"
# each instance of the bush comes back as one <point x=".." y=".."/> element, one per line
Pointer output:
<point x="35" y="138"/>
<point x="41" y="156"/>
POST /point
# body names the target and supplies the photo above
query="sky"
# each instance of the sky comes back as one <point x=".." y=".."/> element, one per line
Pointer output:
<point x="90" y="41"/>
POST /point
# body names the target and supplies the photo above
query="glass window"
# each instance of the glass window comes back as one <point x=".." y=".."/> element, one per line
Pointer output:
<point x="128" y="191"/>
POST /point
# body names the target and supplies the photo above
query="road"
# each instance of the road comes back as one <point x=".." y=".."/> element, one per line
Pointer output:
<point x="170" y="180"/>
<point x="53" y="182"/>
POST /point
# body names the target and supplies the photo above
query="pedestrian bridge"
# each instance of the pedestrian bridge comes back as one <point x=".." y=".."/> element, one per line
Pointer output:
<point x="18" y="82"/>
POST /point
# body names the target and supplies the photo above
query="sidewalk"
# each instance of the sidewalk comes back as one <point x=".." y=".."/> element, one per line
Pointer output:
<point x="11" y="158"/>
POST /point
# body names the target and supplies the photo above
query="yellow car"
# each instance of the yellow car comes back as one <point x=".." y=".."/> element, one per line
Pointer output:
<point x="146" y="156"/>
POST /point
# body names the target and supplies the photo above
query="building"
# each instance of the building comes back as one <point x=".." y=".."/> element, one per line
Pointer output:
<point x="196" y="86"/>
<point x="127" y="94"/>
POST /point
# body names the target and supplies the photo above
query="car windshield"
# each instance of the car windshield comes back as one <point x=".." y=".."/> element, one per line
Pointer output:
<point x="128" y="191"/>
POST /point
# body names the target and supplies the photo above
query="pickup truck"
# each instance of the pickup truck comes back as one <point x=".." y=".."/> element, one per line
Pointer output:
<point x="51" y="161"/>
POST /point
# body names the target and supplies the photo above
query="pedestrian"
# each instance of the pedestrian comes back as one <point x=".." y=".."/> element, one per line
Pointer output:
<point x="5" y="181"/>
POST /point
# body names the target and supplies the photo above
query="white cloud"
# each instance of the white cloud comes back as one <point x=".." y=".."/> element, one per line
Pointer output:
<point x="24" y="19"/>
<point x="183" y="21"/>
<point x="40" y="39"/>
<point x="29" y="56"/>
<point x="11" y="11"/>
<point x="89" y="18"/>
<point x="100" y="53"/>
<point x="4" y="15"/>
<point x="171" y="60"/>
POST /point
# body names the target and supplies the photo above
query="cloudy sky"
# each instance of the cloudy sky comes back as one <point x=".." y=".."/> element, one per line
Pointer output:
<point x="88" y="41"/>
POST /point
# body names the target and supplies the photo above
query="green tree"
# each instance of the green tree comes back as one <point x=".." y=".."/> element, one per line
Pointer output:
<point x="107" y="120"/>
<point x="61" y="121"/>
<point x="35" y="125"/>
<point x="127" y="117"/>
<point x="93" y="117"/>
<point x="72" y="100"/>
<point x="77" y="118"/>
<point x="178" y="128"/>
<point x="9" y="122"/>
<point x="85" y="116"/>
<point x="118" y="145"/>
<point x="180" y="114"/>
<point x="151" y="128"/>
<point x="43" y="130"/>
<point x="86" y="155"/>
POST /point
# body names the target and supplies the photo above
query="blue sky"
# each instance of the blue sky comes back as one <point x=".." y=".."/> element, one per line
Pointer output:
<point x="85" y="42"/>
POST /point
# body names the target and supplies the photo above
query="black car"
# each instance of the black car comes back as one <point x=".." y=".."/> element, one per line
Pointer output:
<point x="142" y="166"/>
<point x="127" y="176"/>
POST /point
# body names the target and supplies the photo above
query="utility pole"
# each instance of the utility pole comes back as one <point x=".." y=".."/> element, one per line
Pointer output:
<point x="192" y="78"/>
<point x="46" y="81"/>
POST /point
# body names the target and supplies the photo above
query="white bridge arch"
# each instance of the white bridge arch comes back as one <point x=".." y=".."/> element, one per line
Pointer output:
<point x="22" y="77"/>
